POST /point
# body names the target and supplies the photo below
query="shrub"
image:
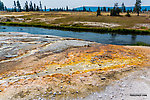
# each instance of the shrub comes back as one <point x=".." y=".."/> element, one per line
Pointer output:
<point x="128" y="14"/>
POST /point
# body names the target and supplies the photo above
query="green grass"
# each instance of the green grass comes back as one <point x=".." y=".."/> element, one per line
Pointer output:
<point x="143" y="27"/>
<point x="140" y="44"/>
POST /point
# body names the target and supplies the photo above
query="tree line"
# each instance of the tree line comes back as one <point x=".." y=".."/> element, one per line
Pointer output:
<point x="30" y="6"/>
<point x="115" y="11"/>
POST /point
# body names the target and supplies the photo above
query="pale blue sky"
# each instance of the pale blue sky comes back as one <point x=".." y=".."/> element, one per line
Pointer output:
<point x="76" y="3"/>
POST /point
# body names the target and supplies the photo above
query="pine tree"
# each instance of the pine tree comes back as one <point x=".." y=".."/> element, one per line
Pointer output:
<point x="31" y="6"/>
<point x="104" y="9"/>
<point x="84" y="9"/>
<point x="34" y="7"/>
<point x="45" y="8"/>
<point x="128" y="13"/>
<point x="115" y="11"/>
<point x="67" y="8"/>
<point x="130" y="10"/>
<point x="26" y="6"/>
<point x="19" y="6"/>
<point x="5" y="8"/>
<point x="89" y="9"/>
<point x="123" y="7"/>
<point x="138" y="7"/>
<point x="1" y="5"/>
<point x="37" y="9"/>
<point x="15" y="6"/>
<point x="108" y="10"/>
<point x="98" y="12"/>
<point x="41" y="9"/>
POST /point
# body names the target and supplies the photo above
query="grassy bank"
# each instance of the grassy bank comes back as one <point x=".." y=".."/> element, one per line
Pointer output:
<point x="81" y="28"/>
<point x="140" y="44"/>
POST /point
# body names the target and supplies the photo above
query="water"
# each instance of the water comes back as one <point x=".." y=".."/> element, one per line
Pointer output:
<point x="107" y="38"/>
<point x="95" y="8"/>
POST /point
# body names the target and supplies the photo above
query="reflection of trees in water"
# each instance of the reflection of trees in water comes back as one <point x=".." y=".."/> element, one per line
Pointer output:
<point x="133" y="39"/>
<point x="113" y="36"/>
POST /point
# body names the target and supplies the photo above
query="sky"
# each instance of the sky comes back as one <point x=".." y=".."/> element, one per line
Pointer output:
<point x="77" y="3"/>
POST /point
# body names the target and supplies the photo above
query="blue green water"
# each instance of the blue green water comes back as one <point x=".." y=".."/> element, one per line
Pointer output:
<point x="107" y="38"/>
<point x="95" y="8"/>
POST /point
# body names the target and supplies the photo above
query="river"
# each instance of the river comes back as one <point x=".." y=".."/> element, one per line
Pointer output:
<point x="105" y="38"/>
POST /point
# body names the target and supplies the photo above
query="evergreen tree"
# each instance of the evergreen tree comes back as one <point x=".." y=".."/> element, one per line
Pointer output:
<point x="108" y="10"/>
<point x="26" y="6"/>
<point x="34" y="7"/>
<point x="37" y="9"/>
<point x="31" y="6"/>
<point x="115" y="11"/>
<point x="128" y="13"/>
<point x="67" y="8"/>
<point x="123" y="8"/>
<point x="130" y="10"/>
<point x="15" y="6"/>
<point x="98" y="12"/>
<point x="84" y="9"/>
<point x="138" y="7"/>
<point x="1" y="5"/>
<point x="5" y="8"/>
<point x="104" y="9"/>
<point x="19" y="6"/>
<point x="89" y="9"/>
<point x="41" y="9"/>
<point x="45" y="8"/>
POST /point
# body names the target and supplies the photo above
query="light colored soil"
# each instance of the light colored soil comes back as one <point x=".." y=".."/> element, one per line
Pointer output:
<point x="98" y="24"/>
<point x="51" y="67"/>
<point x="10" y="15"/>
<point x="135" y="86"/>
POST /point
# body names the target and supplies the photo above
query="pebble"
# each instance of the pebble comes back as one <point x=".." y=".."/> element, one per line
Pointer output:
<point x="50" y="92"/>
<point x="99" y="96"/>
<point x="103" y="78"/>
<point x="46" y="71"/>
<point x="59" y="93"/>
<point x="54" y="93"/>
<point x="0" y="90"/>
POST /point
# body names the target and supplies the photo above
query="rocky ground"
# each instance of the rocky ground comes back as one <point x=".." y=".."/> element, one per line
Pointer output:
<point x="135" y="86"/>
<point x="49" y="67"/>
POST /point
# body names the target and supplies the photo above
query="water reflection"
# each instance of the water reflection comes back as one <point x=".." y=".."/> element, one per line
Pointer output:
<point x="113" y="36"/>
<point x="133" y="39"/>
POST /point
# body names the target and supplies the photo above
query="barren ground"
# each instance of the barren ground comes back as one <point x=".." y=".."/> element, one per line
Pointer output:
<point x="49" y="67"/>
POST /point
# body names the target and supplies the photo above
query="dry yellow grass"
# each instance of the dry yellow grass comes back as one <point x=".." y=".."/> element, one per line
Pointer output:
<point x="68" y="18"/>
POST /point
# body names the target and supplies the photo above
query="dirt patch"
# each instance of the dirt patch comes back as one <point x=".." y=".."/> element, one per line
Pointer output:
<point x="98" y="24"/>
